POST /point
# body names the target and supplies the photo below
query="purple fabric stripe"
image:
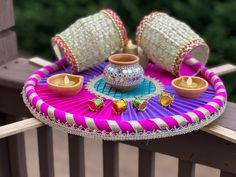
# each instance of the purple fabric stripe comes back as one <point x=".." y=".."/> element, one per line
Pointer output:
<point x="217" y="80"/>
<point x="210" y="75"/>
<point x="220" y="87"/>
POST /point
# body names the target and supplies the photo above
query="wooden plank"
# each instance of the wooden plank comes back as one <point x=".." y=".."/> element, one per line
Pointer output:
<point x="146" y="163"/>
<point x="76" y="156"/>
<point x="7" y="19"/>
<point x="197" y="147"/>
<point x="16" y="151"/>
<point x="8" y="46"/>
<point x="19" y="127"/>
<point x="45" y="147"/>
<point x="221" y="132"/>
<point x="223" y="69"/>
<point x="15" y="73"/>
<point x="4" y="160"/>
<point x="110" y="159"/>
<point x="186" y="168"/>
<point x="226" y="174"/>
<point x="39" y="61"/>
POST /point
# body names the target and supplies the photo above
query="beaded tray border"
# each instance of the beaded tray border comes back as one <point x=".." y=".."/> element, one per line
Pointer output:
<point x="124" y="130"/>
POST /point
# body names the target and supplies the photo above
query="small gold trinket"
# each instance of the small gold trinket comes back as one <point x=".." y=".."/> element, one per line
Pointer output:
<point x="96" y="104"/>
<point x="119" y="106"/>
<point x="140" y="104"/>
<point x="166" y="99"/>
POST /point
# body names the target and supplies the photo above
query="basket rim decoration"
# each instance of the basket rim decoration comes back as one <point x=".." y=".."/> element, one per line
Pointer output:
<point x="117" y="129"/>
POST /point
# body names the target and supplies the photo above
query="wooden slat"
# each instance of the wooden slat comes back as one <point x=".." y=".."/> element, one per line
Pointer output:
<point x="15" y="73"/>
<point x="198" y="147"/>
<point x="186" y="169"/>
<point x="7" y="19"/>
<point x="226" y="174"/>
<point x="39" y="61"/>
<point x="8" y="46"/>
<point x="4" y="158"/>
<point x="16" y="150"/>
<point x="19" y="127"/>
<point x="45" y="146"/>
<point x="146" y="163"/>
<point x="110" y="159"/>
<point x="223" y="69"/>
<point x="76" y="156"/>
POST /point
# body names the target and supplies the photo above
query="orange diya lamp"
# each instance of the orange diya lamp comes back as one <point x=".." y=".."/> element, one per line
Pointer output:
<point x="65" y="84"/>
<point x="189" y="86"/>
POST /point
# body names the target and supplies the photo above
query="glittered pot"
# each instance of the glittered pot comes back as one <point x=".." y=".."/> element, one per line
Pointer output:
<point x="123" y="72"/>
<point x="90" y="40"/>
<point x="167" y="42"/>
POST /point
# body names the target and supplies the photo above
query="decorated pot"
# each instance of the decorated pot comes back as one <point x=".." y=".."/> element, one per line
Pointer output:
<point x="123" y="71"/>
<point x="167" y="42"/>
<point x="90" y="40"/>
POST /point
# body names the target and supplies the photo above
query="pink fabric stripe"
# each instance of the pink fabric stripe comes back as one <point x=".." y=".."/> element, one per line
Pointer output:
<point x="200" y="115"/>
<point x="49" y="68"/>
<point x="35" y="100"/>
<point x="40" y="73"/>
<point x="27" y="85"/>
<point x="29" y="93"/>
<point x="220" y="87"/>
<point x="33" y="79"/>
<point x="187" y="117"/>
<point x="210" y="108"/>
<point x="80" y="120"/>
<point x="216" y="81"/>
<point x="44" y="108"/>
<point x="102" y="124"/>
<point x="149" y="125"/>
<point x="60" y="115"/>
<point x="210" y="75"/>
<point x="224" y="94"/>
<point x="170" y="122"/>
<point x="204" y="71"/>
<point x="197" y="66"/>
<point x="125" y="126"/>
<point x="219" y="102"/>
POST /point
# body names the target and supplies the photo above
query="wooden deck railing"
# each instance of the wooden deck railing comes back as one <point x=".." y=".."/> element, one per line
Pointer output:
<point x="214" y="145"/>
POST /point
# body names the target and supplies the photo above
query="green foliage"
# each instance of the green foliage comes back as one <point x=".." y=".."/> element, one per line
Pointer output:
<point x="214" y="20"/>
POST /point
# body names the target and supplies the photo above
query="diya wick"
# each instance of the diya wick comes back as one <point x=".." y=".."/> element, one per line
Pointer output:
<point x="140" y="104"/>
<point x="189" y="86"/>
<point x="65" y="84"/>
<point x="130" y="48"/>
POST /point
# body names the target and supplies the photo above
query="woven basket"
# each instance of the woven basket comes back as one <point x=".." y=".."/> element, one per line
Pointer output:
<point x="167" y="41"/>
<point x="90" y="40"/>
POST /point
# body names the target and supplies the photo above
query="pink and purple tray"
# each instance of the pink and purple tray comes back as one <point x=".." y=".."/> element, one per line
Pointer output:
<point x="71" y="114"/>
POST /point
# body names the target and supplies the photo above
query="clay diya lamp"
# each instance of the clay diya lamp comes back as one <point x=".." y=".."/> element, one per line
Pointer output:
<point x="189" y="86"/>
<point x="65" y="84"/>
<point x="123" y="71"/>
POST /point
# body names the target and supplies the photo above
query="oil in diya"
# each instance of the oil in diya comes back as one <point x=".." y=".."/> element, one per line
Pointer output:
<point x="119" y="106"/>
<point x="140" y="104"/>
<point x="166" y="99"/>
<point x="95" y="104"/>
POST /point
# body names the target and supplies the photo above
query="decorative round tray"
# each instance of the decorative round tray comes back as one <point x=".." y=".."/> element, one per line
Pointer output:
<point x="71" y="114"/>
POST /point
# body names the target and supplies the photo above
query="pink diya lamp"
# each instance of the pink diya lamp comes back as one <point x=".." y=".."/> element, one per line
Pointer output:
<point x="189" y="86"/>
<point x="65" y="84"/>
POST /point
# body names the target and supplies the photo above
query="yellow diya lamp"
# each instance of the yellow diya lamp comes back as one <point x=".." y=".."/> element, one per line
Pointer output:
<point x="166" y="99"/>
<point x="95" y="104"/>
<point x="140" y="104"/>
<point x="119" y="106"/>
<point x="189" y="86"/>
<point x="65" y="84"/>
